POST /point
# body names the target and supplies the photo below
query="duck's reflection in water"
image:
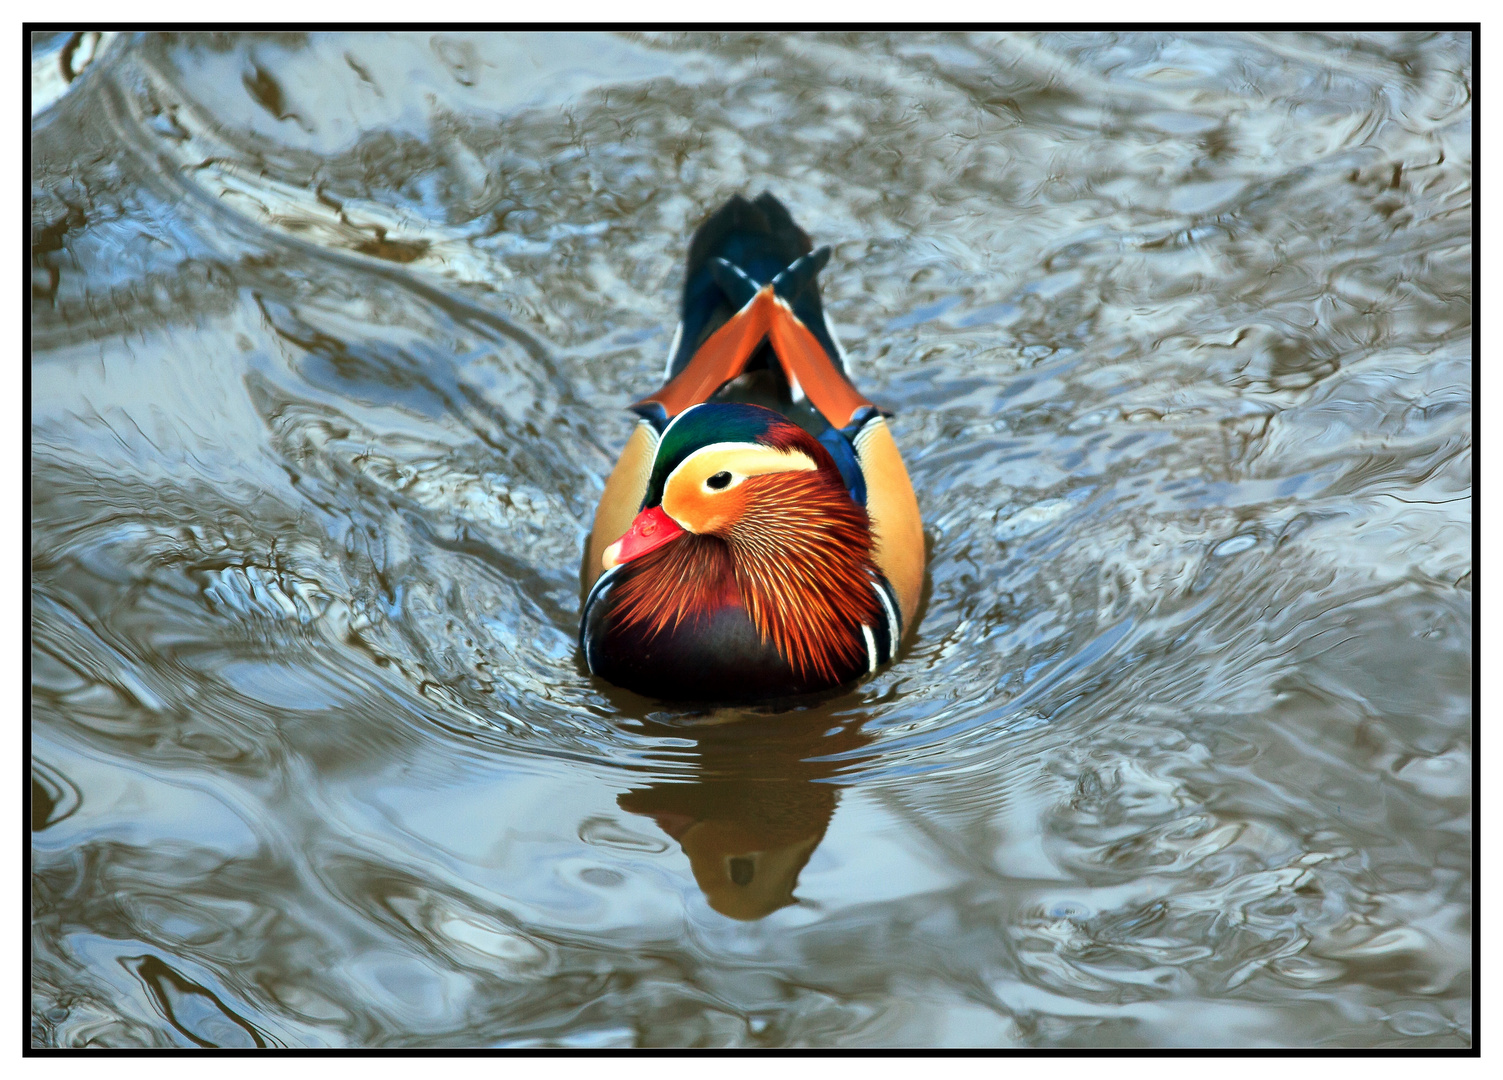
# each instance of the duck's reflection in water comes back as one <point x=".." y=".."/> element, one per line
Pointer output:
<point x="762" y="797"/>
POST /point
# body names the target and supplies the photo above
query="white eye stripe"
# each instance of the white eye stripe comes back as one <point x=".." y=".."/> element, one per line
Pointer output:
<point x="706" y="449"/>
<point x="789" y="460"/>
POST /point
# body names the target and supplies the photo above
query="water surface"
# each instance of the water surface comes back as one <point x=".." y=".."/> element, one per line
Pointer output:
<point x="332" y="336"/>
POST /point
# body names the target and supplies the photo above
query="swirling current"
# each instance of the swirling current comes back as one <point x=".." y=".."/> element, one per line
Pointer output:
<point x="331" y="339"/>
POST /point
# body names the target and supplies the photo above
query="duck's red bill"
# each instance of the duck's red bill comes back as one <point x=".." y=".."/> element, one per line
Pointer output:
<point x="650" y="530"/>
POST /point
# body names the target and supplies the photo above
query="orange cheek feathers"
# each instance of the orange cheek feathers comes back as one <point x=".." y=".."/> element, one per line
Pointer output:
<point x="708" y="515"/>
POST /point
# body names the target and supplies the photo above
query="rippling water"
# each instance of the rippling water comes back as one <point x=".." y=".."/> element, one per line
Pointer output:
<point x="331" y="339"/>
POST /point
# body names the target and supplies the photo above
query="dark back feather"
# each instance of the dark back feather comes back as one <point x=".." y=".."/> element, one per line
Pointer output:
<point x="760" y="238"/>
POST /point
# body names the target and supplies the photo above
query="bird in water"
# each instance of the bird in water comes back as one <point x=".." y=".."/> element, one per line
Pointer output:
<point x="759" y="537"/>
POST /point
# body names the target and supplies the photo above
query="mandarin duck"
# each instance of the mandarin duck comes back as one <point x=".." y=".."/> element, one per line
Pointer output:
<point x="759" y="537"/>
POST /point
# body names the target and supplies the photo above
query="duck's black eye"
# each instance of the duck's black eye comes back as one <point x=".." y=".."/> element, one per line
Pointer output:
<point x="718" y="481"/>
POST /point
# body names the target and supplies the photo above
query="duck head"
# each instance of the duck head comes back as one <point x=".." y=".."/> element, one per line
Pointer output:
<point x="744" y="507"/>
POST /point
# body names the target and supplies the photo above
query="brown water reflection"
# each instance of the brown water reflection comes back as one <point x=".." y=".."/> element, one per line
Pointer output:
<point x="754" y="807"/>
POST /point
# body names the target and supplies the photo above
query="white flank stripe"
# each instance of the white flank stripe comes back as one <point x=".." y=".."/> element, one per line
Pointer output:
<point x="871" y="648"/>
<point x="892" y="617"/>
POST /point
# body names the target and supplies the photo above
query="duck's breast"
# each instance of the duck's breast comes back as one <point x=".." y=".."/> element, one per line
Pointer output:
<point x="712" y="656"/>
